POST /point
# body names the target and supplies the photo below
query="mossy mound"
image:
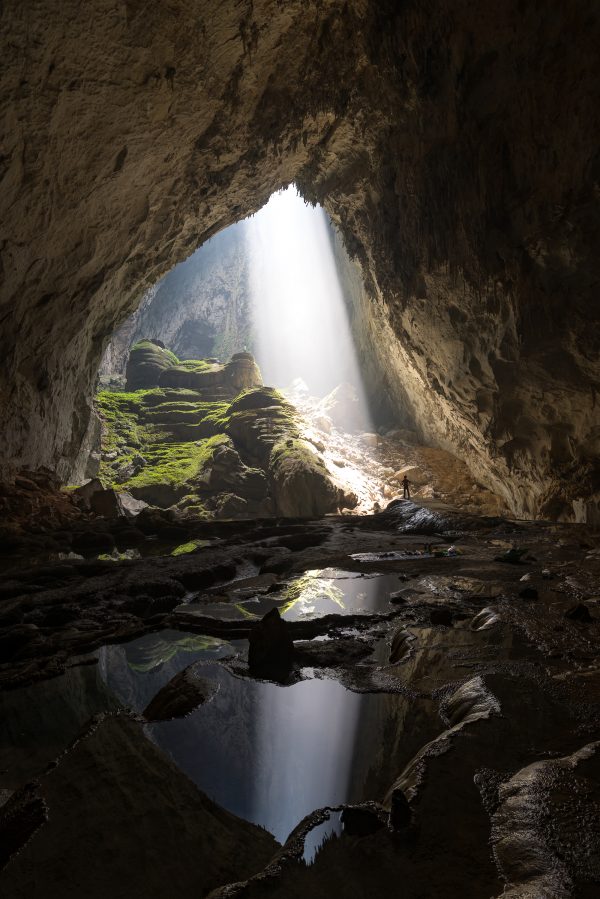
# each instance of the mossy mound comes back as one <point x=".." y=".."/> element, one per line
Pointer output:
<point x="301" y="484"/>
<point x="151" y="364"/>
<point x="203" y="451"/>
<point x="147" y="361"/>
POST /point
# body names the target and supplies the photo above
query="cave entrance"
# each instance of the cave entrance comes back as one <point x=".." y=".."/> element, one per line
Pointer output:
<point x="243" y="385"/>
<point x="235" y="389"/>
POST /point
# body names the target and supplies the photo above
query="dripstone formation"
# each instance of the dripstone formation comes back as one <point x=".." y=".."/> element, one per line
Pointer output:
<point x="454" y="145"/>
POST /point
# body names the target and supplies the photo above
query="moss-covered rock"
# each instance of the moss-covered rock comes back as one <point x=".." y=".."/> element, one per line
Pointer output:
<point x="194" y="375"/>
<point x="147" y="360"/>
<point x="257" y="420"/>
<point x="210" y="441"/>
<point x="301" y="484"/>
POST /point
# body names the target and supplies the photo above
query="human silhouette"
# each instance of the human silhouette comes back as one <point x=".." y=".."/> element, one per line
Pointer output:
<point x="406" y="485"/>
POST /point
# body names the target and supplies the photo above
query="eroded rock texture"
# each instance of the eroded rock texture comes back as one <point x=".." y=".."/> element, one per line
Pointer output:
<point x="454" y="145"/>
<point x="200" y="309"/>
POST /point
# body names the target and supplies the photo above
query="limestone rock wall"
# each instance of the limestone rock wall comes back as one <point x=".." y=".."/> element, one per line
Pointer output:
<point x="454" y="144"/>
<point x="201" y="308"/>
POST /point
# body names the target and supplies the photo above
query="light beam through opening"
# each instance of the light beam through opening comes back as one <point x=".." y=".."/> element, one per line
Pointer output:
<point x="302" y="327"/>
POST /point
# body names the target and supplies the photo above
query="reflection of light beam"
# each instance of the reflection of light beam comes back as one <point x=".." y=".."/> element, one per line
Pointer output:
<point x="305" y="737"/>
<point x="300" y="317"/>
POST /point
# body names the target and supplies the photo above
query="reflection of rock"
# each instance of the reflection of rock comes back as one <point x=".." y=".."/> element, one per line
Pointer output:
<point x="271" y="649"/>
<point x="184" y="693"/>
<point x="400" y="811"/>
<point x="361" y="821"/>
<point x="124" y="820"/>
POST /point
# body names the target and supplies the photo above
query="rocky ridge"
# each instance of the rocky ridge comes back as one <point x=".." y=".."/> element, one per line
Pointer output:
<point x="209" y="440"/>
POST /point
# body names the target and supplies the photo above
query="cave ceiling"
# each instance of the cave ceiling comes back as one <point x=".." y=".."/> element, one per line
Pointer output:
<point x="455" y="146"/>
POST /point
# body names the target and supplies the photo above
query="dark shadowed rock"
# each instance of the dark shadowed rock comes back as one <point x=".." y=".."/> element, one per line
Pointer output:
<point x="106" y="503"/>
<point x="441" y="616"/>
<point x="360" y="822"/>
<point x="184" y="693"/>
<point x="580" y="612"/>
<point x="20" y="817"/>
<point x="400" y="811"/>
<point x="271" y="650"/>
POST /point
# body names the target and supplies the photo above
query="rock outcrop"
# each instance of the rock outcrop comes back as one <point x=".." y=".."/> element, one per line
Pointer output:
<point x="202" y="437"/>
<point x="454" y="147"/>
<point x="302" y="486"/>
<point x="150" y="364"/>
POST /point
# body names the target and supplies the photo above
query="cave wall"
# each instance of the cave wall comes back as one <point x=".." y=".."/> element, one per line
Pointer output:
<point x="453" y="144"/>
<point x="201" y="308"/>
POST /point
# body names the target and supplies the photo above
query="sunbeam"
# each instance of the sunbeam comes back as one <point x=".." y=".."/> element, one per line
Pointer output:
<point x="301" y="323"/>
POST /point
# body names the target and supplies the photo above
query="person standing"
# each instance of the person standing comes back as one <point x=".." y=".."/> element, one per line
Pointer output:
<point x="406" y="486"/>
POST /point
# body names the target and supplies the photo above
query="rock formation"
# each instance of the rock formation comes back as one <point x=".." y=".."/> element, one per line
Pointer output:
<point x="201" y="308"/>
<point x="455" y="147"/>
<point x="208" y="439"/>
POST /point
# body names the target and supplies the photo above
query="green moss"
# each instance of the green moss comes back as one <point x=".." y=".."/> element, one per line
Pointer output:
<point x="292" y="449"/>
<point x="175" y="463"/>
<point x="147" y="347"/>
<point x="189" y="547"/>
<point x="196" y="365"/>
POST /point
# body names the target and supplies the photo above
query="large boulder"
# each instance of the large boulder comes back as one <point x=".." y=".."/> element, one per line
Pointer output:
<point x="301" y="484"/>
<point x="259" y="419"/>
<point x="148" y="359"/>
<point x="242" y="372"/>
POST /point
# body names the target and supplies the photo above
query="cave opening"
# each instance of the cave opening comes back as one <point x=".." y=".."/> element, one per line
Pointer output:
<point x="271" y="315"/>
<point x="216" y="670"/>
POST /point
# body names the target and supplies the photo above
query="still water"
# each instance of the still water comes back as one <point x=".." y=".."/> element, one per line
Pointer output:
<point x="318" y="592"/>
<point x="267" y="753"/>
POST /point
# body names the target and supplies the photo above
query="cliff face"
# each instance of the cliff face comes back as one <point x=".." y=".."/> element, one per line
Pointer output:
<point x="455" y="147"/>
<point x="201" y="308"/>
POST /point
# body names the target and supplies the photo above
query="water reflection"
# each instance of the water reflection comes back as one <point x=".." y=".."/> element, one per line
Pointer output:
<point x="316" y="593"/>
<point x="319" y="835"/>
<point x="273" y="754"/>
<point x="136" y="671"/>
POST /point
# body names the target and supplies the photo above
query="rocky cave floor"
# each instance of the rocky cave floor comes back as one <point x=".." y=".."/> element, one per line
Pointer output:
<point x="433" y="728"/>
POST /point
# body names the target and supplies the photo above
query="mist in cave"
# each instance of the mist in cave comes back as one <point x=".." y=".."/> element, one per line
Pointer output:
<point x="301" y="317"/>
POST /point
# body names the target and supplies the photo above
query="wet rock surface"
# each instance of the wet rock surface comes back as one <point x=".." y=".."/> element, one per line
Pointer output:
<point x="482" y="726"/>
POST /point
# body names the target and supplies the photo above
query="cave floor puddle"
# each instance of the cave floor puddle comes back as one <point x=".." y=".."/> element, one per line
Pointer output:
<point x="267" y="753"/>
<point x="40" y="721"/>
<point x="314" y="594"/>
<point x="318" y="836"/>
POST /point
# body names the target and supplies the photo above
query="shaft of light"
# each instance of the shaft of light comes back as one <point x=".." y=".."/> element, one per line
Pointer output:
<point x="300" y="317"/>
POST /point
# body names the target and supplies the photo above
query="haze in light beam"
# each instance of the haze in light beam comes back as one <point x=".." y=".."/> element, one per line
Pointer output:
<point x="300" y="317"/>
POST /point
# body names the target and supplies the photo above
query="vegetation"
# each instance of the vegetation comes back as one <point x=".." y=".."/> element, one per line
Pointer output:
<point x="189" y="547"/>
<point x="159" y="442"/>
